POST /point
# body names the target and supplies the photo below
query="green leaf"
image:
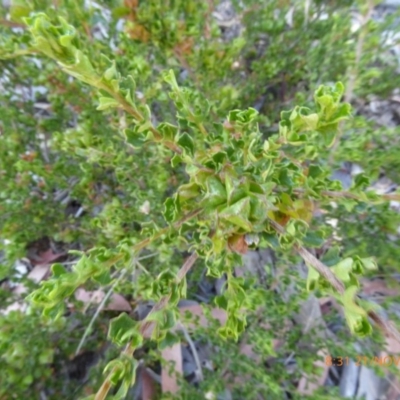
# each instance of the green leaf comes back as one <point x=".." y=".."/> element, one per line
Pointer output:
<point x="312" y="279"/>
<point x="104" y="278"/>
<point x="122" y="371"/>
<point x="356" y="317"/>
<point x="221" y="302"/>
<point x="238" y="214"/>
<point x="19" y="9"/>
<point x="349" y="204"/>
<point x="258" y="211"/>
<point x="171" y="209"/>
<point x="219" y="243"/>
<point x="343" y="112"/>
<point x="186" y="142"/>
<point x="216" y="193"/>
<point x="243" y="116"/>
<point x="309" y="119"/>
<point x="169" y="319"/>
<point x="331" y="257"/>
<point x="156" y="316"/>
<point x="168" y="341"/>
<point x="313" y="239"/>
<point x="168" y="131"/>
<point x="302" y="119"/>
<point x="369" y="263"/>
<point x="58" y="270"/>
<point x="344" y="271"/>
<point x="361" y="181"/>
<point x="188" y="191"/>
<point x="176" y="160"/>
<point x="169" y="77"/>
<point x="111" y="72"/>
<point x="122" y="329"/>
<point x="315" y="171"/>
<point x="362" y="264"/>
<point x="106" y="103"/>
<point x="145" y="126"/>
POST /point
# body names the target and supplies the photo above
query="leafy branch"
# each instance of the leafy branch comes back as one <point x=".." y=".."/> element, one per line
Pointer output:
<point x="145" y="329"/>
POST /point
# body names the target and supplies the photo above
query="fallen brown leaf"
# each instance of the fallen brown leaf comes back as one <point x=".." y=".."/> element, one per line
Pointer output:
<point x="116" y="302"/>
<point x="169" y="377"/>
<point x="378" y="286"/>
<point x="148" y="386"/>
<point x="197" y="311"/>
<point x="237" y="244"/>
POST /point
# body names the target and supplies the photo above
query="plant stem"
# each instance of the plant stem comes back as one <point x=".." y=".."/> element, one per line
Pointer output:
<point x="349" y="195"/>
<point x="139" y="117"/>
<point x="96" y="314"/>
<point x="386" y="326"/>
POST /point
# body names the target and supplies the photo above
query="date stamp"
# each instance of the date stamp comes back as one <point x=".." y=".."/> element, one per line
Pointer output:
<point x="366" y="361"/>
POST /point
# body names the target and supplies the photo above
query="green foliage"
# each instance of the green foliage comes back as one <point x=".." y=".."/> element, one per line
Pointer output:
<point x="164" y="164"/>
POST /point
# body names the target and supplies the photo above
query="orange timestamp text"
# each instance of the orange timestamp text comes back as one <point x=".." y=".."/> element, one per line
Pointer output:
<point x="366" y="361"/>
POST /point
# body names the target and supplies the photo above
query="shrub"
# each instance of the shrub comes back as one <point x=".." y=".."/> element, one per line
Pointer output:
<point x="171" y="141"/>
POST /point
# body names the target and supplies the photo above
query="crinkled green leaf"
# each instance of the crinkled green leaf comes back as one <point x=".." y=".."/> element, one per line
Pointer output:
<point x="122" y="329"/>
<point x="106" y="103"/>
<point x="343" y="269"/>
<point x="186" y="142"/>
<point x="58" y="270"/>
<point x="168" y="131"/>
<point x="216" y="193"/>
<point x="356" y="317"/>
<point x="171" y="209"/>
<point x="238" y="214"/>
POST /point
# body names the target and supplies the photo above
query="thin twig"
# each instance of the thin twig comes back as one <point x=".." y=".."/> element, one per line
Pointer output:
<point x="147" y="327"/>
<point x="139" y="117"/>
<point x="349" y="195"/>
<point x="386" y="326"/>
<point x="163" y="231"/>
<point x="12" y="24"/>
<point x="96" y="314"/>
<point x="142" y="267"/>
<point x="147" y="256"/>
<point x="321" y="268"/>
<point x="88" y="304"/>
<point x="194" y="351"/>
<point x="314" y="262"/>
